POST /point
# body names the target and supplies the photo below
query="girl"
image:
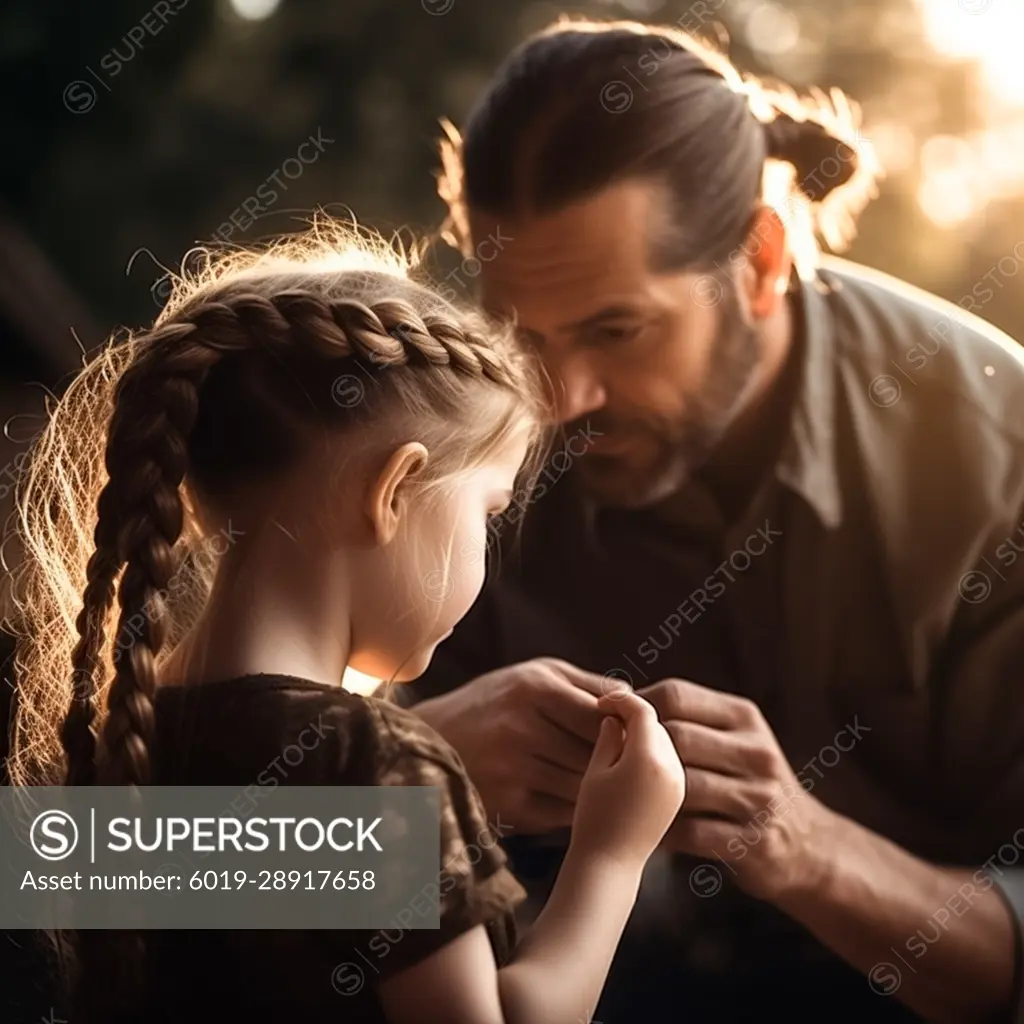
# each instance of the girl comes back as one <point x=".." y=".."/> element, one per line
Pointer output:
<point x="289" y="475"/>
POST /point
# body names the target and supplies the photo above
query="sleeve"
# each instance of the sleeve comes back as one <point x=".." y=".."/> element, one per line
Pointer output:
<point x="980" y="744"/>
<point x="476" y="886"/>
<point x="1010" y="885"/>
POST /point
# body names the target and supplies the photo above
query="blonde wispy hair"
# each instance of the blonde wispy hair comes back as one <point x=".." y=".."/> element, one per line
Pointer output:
<point x="333" y="294"/>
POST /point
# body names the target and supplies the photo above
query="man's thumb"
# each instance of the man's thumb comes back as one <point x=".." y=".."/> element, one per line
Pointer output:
<point x="608" y="748"/>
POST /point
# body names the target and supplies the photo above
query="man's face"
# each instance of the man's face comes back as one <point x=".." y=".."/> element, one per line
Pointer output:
<point x="658" y="364"/>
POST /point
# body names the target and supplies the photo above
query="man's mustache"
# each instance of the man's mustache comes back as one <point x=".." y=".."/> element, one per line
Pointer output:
<point x="603" y="425"/>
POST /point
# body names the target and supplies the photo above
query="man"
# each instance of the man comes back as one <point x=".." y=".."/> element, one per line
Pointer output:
<point x="787" y="507"/>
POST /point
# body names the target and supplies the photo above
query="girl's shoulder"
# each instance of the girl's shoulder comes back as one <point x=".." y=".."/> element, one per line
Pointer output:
<point x="308" y="732"/>
<point x="410" y="751"/>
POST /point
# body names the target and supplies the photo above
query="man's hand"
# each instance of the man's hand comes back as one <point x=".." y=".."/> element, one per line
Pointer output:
<point x="744" y="804"/>
<point x="525" y="734"/>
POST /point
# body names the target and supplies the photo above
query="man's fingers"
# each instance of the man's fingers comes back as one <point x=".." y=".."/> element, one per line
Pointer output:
<point x="562" y="747"/>
<point x="711" y="793"/>
<point x="699" y="837"/>
<point x="682" y="699"/>
<point x="716" y="750"/>
<point x="594" y="684"/>
<point x="571" y="709"/>
<point x="548" y="779"/>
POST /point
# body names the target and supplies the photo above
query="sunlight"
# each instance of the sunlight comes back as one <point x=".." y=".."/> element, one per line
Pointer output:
<point x="254" y="10"/>
<point x="949" y="193"/>
<point x="356" y="682"/>
<point x="987" y="32"/>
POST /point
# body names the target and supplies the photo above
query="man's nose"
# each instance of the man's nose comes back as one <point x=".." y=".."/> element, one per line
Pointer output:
<point x="578" y="389"/>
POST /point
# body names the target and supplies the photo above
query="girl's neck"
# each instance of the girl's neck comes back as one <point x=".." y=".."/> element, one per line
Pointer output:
<point x="272" y="609"/>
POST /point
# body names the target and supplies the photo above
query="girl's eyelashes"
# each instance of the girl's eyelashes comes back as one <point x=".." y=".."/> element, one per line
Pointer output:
<point x="499" y="510"/>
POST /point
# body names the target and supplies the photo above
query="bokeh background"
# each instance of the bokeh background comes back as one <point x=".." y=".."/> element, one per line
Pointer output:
<point x="131" y="131"/>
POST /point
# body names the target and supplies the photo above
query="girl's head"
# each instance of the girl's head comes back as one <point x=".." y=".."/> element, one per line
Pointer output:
<point x="312" y="391"/>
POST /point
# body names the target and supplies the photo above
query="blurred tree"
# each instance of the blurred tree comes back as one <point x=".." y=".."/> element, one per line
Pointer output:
<point x="139" y="130"/>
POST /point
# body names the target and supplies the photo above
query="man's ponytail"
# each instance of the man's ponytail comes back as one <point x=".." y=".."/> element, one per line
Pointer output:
<point x="821" y="161"/>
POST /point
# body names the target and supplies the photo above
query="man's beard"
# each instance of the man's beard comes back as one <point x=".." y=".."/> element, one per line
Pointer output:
<point x="673" y="450"/>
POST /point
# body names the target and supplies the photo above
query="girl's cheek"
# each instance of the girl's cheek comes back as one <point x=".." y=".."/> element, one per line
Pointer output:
<point x="473" y="548"/>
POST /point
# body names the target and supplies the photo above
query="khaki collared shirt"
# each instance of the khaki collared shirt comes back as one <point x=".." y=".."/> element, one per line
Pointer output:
<point x="870" y="599"/>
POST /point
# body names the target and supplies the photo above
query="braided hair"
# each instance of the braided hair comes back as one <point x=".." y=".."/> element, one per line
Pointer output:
<point x="233" y="384"/>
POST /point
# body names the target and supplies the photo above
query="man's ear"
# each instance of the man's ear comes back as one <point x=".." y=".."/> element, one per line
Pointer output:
<point x="385" y="500"/>
<point x="769" y="262"/>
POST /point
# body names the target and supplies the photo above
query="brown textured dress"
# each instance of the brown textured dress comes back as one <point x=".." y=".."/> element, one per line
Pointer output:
<point x="235" y="732"/>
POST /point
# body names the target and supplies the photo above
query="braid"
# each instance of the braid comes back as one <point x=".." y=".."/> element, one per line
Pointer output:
<point x="140" y="509"/>
<point x="141" y="518"/>
<point x="155" y="407"/>
<point x="77" y="736"/>
<point x="389" y="333"/>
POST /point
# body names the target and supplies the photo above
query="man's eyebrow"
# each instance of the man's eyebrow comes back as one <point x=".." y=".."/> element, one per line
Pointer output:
<point x="616" y="312"/>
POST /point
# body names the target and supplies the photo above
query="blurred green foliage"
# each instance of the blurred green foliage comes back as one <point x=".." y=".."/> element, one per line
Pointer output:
<point x="137" y="129"/>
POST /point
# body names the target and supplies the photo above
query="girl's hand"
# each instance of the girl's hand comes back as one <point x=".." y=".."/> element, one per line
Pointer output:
<point x="634" y="785"/>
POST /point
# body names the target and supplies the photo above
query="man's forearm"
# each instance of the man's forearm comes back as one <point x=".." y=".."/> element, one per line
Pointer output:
<point x="939" y="939"/>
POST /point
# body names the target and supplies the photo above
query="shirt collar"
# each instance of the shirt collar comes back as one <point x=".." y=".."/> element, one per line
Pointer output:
<point x="808" y="463"/>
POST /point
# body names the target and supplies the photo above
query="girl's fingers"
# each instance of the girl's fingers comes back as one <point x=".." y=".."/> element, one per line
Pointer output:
<point x="637" y="715"/>
<point x="609" y="744"/>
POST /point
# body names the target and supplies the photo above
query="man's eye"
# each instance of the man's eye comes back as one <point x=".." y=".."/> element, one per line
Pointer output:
<point x="615" y="334"/>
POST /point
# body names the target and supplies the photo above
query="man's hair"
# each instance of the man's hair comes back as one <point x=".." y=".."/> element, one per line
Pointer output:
<point x="584" y="105"/>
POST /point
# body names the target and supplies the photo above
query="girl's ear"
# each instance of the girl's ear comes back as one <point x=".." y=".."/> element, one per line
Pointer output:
<point x="386" y="497"/>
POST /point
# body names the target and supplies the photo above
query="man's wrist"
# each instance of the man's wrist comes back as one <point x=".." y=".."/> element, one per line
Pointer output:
<point x="817" y="876"/>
